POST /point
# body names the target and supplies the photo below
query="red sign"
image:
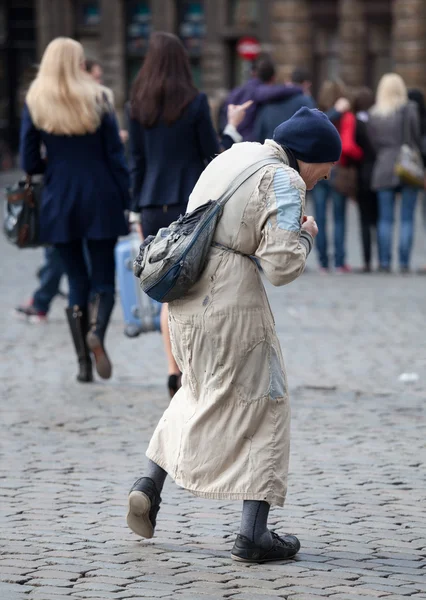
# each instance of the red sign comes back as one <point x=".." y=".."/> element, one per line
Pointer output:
<point x="248" y="48"/>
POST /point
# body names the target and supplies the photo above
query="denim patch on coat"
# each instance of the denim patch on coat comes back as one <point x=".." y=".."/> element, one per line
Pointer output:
<point x="289" y="203"/>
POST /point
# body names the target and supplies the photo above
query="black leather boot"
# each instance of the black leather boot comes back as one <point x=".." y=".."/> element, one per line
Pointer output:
<point x="100" y="309"/>
<point x="78" y="322"/>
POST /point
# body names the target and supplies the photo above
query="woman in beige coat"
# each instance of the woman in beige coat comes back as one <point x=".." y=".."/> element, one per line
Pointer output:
<point x="226" y="433"/>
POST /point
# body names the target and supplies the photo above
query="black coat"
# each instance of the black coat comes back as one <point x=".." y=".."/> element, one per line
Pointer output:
<point x="366" y="165"/>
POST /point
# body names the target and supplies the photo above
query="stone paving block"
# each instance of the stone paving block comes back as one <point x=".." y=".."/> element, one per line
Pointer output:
<point x="305" y="589"/>
<point x="359" y="591"/>
<point x="251" y="596"/>
<point x="56" y="583"/>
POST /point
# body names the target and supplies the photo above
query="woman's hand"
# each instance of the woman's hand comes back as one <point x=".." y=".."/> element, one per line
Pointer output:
<point x="310" y="226"/>
<point x="237" y="112"/>
<point x="342" y="105"/>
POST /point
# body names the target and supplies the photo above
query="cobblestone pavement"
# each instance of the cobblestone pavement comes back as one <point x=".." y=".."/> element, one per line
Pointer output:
<point x="357" y="488"/>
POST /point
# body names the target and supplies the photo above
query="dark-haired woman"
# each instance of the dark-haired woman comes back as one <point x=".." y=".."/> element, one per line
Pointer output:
<point x="366" y="197"/>
<point x="417" y="96"/>
<point x="171" y="140"/>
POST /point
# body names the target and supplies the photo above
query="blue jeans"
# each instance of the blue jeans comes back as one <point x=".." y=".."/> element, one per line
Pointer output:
<point x="50" y="278"/>
<point x="386" y="198"/>
<point x="90" y="266"/>
<point x="320" y="194"/>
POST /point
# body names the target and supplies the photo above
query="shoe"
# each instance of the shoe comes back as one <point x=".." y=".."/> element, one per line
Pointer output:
<point x="324" y="270"/>
<point x="144" y="504"/>
<point x="283" y="548"/>
<point x="78" y="324"/>
<point x="404" y="270"/>
<point x="385" y="270"/>
<point x="174" y="383"/>
<point x="343" y="270"/>
<point x="31" y="314"/>
<point x="100" y="313"/>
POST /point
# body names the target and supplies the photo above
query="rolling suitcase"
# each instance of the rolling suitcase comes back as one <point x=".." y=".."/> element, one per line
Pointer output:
<point x="141" y="313"/>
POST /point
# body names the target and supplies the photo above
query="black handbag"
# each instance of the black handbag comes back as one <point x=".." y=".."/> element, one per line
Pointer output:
<point x="22" y="207"/>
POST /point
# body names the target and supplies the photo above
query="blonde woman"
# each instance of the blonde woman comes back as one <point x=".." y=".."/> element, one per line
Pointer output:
<point x="86" y="189"/>
<point x="393" y="121"/>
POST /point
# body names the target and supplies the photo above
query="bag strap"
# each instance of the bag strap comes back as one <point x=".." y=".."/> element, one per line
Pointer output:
<point x="246" y="174"/>
<point x="29" y="195"/>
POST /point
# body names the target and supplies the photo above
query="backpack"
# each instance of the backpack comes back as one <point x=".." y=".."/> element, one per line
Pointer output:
<point x="171" y="262"/>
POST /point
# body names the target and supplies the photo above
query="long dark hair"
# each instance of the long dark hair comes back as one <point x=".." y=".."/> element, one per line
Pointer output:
<point x="163" y="87"/>
<point x="417" y="96"/>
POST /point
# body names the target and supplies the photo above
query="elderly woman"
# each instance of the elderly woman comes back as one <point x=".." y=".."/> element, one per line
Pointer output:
<point x="226" y="433"/>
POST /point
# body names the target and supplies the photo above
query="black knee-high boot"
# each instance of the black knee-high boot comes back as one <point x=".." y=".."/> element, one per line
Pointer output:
<point x="100" y="309"/>
<point x="78" y="323"/>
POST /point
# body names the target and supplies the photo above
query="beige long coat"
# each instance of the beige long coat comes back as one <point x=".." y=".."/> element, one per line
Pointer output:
<point x="226" y="433"/>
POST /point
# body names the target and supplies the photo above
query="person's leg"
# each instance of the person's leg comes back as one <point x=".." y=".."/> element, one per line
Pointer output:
<point x="174" y="380"/>
<point x="406" y="236"/>
<point x="144" y="501"/>
<point x="339" y="213"/>
<point x="153" y="219"/>
<point x="319" y="195"/>
<point x="254" y="523"/>
<point x="50" y="278"/>
<point x="102" y="290"/>
<point x="365" y="229"/>
<point x="72" y="257"/>
<point x="255" y="543"/>
<point x="386" y="204"/>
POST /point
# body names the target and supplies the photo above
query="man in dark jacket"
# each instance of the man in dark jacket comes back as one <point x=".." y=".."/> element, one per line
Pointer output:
<point x="260" y="88"/>
<point x="273" y="113"/>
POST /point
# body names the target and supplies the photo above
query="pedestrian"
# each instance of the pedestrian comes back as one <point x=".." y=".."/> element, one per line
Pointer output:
<point x="171" y="140"/>
<point x="366" y="197"/>
<point x="226" y="433"/>
<point x="271" y="114"/>
<point x="417" y="96"/>
<point x="94" y="68"/>
<point x="330" y="93"/>
<point x="394" y="120"/>
<point x="261" y="89"/>
<point x="86" y="190"/>
<point x="50" y="275"/>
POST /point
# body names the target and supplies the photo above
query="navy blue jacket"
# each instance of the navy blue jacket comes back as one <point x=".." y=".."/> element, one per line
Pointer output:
<point x="273" y="114"/>
<point x="167" y="160"/>
<point x="260" y="93"/>
<point x="86" y="181"/>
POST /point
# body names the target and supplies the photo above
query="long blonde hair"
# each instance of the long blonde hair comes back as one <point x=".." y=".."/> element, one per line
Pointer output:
<point x="390" y="96"/>
<point x="63" y="99"/>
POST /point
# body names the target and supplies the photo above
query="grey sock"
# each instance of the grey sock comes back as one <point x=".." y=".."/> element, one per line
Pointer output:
<point x="254" y="522"/>
<point x="157" y="474"/>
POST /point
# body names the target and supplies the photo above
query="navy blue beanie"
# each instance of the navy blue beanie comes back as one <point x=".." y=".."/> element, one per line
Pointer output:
<point x="311" y="136"/>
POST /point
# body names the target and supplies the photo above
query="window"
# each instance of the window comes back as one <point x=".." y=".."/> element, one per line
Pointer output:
<point x="138" y="30"/>
<point x="192" y="30"/>
<point x="243" y="13"/>
<point x="88" y="15"/>
<point x="326" y="55"/>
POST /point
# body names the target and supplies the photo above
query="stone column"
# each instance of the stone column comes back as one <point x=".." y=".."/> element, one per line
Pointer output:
<point x="352" y="42"/>
<point x="53" y="19"/>
<point x="112" y="43"/>
<point x="291" y="35"/>
<point x="408" y="41"/>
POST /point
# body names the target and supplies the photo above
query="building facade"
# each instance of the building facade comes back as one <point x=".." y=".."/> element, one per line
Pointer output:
<point x="356" y="40"/>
